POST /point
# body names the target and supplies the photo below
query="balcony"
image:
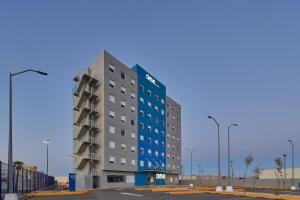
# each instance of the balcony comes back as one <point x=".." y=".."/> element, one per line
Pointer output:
<point x="85" y="109"/>
<point x="84" y="126"/>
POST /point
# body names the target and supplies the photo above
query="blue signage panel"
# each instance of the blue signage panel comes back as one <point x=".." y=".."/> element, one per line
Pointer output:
<point x="72" y="180"/>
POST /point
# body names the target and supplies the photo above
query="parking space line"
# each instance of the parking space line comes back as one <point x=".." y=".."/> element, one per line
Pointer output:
<point x="131" y="194"/>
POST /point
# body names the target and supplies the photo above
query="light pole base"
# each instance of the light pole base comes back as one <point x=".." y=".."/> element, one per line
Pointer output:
<point x="219" y="189"/>
<point x="293" y="188"/>
<point x="12" y="196"/>
<point x="229" y="189"/>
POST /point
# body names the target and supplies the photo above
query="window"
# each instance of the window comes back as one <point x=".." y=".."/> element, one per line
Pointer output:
<point x="133" y="135"/>
<point x="115" y="179"/>
<point x="156" y="97"/>
<point x="149" y="151"/>
<point x="123" y="118"/>
<point x="123" y="75"/>
<point x="132" y="148"/>
<point x="149" y="104"/>
<point x="112" y="129"/>
<point x="149" y="93"/>
<point x="149" y="129"/>
<point x="132" y="108"/>
<point x="156" y="131"/>
<point x="112" y="98"/>
<point x="142" y="100"/>
<point x="141" y="137"/>
<point x="168" y="156"/>
<point x="142" y="113"/>
<point x="156" y="153"/>
<point x="149" y="117"/>
<point x="111" y="114"/>
<point x="162" y="112"/>
<point x="156" y="142"/>
<point x="123" y="90"/>
<point x="156" y="108"/>
<point x="123" y="132"/>
<point x="142" y="163"/>
<point x="149" y="140"/>
<point x="178" y="158"/>
<point x="162" y="144"/>
<point x="112" y="160"/>
<point x="132" y="95"/>
<point x="123" y="147"/>
<point x="112" y="144"/>
<point x="149" y="164"/>
<point x="133" y="162"/>
<point x="163" y="154"/>
<point x="123" y="161"/>
<point x="132" y="81"/>
<point x="142" y="88"/>
<point x="174" y="167"/>
<point x="142" y="151"/>
<point x="111" y="68"/>
<point x="173" y="137"/>
<point x="112" y="83"/>
<point x="168" y="135"/>
<point x="123" y="104"/>
<point x="168" y="145"/>
<point x="142" y="125"/>
<point x="162" y="101"/>
<point x="162" y="164"/>
<point x="132" y="122"/>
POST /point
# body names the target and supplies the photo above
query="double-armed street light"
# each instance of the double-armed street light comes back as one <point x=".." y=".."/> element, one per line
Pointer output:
<point x="191" y="152"/>
<point x="10" y="195"/>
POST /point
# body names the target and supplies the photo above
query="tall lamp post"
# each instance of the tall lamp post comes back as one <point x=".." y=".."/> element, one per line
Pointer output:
<point x="191" y="152"/>
<point x="284" y="167"/>
<point x="219" y="186"/>
<point x="46" y="142"/>
<point x="229" y="187"/>
<point x="199" y="166"/>
<point x="293" y="187"/>
<point x="10" y="195"/>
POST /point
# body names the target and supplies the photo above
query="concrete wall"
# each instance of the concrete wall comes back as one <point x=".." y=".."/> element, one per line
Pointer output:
<point x="260" y="183"/>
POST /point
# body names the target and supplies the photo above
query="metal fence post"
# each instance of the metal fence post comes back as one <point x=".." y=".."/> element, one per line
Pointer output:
<point x="0" y="179"/>
<point x="22" y="181"/>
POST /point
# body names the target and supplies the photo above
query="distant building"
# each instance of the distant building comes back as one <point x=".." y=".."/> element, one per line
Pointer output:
<point x="271" y="173"/>
<point x="126" y="130"/>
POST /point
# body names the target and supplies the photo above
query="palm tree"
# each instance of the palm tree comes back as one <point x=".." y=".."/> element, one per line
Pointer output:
<point x="18" y="166"/>
<point x="257" y="171"/>
<point x="248" y="161"/>
<point x="278" y="172"/>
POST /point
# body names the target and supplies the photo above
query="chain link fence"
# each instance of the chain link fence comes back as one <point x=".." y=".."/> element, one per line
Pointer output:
<point x="25" y="180"/>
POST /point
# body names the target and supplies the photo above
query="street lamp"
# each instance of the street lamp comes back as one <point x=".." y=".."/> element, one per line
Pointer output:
<point x="231" y="165"/>
<point x="219" y="186"/>
<point x="229" y="187"/>
<point x="10" y="195"/>
<point x="293" y="187"/>
<point x="199" y="166"/>
<point x="46" y="142"/>
<point x="191" y="152"/>
<point x="284" y="166"/>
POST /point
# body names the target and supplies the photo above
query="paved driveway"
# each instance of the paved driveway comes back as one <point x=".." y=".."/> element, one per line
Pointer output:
<point x="126" y="194"/>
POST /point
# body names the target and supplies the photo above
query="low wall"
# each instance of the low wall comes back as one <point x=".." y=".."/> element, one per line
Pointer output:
<point x="250" y="182"/>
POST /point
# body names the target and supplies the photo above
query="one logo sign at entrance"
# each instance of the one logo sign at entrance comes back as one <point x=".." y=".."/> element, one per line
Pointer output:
<point x="160" y="176"/>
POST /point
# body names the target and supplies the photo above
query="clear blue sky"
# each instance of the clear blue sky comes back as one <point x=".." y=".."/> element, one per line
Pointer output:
<point x="236" y="60"/>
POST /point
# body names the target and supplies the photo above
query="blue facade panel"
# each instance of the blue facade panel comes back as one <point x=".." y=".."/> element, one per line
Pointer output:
<point x="152" y="127"/>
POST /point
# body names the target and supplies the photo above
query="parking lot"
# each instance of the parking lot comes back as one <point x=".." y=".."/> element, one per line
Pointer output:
<point x="129" y="194"/>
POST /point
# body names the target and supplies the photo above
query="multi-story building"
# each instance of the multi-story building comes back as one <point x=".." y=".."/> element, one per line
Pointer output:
<point x="120" y="127"/>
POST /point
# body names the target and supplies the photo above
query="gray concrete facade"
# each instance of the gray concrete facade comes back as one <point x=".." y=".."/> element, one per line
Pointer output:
<point x="115" y="154"/>
<point x="173" y="141"/>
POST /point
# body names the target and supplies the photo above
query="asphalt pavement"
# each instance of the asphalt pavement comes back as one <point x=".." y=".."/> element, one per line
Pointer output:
<point x="128" y="194"/>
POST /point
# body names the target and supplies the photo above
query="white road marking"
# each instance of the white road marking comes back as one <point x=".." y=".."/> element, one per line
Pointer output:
<point x="131" y="194"/>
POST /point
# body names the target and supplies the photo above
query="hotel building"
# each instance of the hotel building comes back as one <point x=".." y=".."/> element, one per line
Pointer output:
<point x="126" y="130"/>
